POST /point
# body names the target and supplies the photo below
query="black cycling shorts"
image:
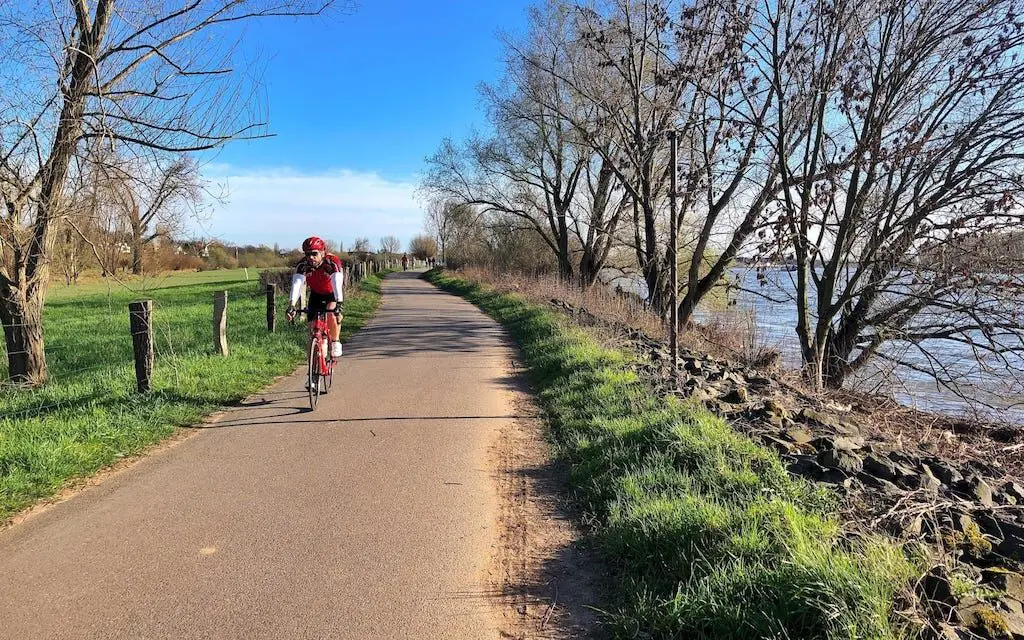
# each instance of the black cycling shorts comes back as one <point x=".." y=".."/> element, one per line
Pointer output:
<point x="318" y="303"/>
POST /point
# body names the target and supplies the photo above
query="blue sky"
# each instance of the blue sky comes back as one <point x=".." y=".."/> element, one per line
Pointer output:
<point x="356" y="102"/>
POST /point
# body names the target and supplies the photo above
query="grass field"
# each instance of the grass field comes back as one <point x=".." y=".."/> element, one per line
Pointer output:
<point x="706" y="533"/>
<point x="89" y="415"/>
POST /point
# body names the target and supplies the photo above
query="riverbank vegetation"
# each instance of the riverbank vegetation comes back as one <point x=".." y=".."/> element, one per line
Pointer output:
<point x="851" y="142"/>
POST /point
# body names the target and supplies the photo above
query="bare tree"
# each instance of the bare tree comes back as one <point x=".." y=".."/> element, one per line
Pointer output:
<point x="624" y="71"/>
<point x="535" y="172"/>
<point x="155" y="75"/>
<point x="438" y="222"/>
<point x="422" y="247"/>
<point x="157" y="205"/>
<point x="913" y="149"/>
<point x="729" y="173"/>
<point x="360" y="245"/>
<point x="390" y="246"/>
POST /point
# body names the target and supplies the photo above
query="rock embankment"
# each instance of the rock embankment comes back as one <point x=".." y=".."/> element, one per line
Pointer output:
<point x="920" y="483"/>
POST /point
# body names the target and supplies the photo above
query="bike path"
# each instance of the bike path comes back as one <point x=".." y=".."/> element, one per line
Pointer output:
<point x="372" y="517"/>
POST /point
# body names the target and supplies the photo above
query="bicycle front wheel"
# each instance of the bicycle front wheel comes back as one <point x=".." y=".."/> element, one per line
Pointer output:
<point x="313" y="375"/>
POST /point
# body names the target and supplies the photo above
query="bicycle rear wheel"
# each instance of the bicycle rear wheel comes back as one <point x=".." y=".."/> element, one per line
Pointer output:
<point x="313" y="374"/>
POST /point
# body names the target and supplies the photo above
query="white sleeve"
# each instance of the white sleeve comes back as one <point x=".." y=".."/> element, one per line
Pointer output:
<point x="298" y="282"/>
<point x="337" y="280"/>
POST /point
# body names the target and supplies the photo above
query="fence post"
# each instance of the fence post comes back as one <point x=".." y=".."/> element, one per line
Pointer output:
<point x="220" y="322"/>
<point x="140" y="314"/>
<point x="271" y="307"/>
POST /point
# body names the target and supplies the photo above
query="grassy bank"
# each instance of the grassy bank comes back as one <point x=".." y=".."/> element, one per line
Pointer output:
<point x="89" y="415"/>
<point x="707" y="534"/>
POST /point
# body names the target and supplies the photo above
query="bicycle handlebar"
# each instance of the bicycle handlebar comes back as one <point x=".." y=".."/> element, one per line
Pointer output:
<point x="306" y="311"/>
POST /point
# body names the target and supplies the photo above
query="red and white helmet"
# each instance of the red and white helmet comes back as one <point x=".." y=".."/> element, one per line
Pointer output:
<point x="314" y="243"/>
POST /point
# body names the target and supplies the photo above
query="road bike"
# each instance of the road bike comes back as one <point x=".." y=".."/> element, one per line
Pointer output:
<point x="320" y="373"/>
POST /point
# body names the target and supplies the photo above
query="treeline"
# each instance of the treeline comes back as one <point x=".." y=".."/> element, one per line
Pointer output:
<point x="846" y="139"/>
<point x="999" y="252"/>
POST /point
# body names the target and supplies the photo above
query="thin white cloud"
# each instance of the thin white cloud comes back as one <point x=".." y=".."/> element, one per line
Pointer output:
<point x="285" y="206"/>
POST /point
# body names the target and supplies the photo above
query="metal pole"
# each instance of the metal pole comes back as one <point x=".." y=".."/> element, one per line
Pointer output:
<point x="673" y="243"/>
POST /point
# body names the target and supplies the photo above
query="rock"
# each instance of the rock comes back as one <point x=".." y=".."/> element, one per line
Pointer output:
<point x="914" y="480"/>
<point x="878" y="483"/>
<point x="1003" y="498"/>
<point x="944" y="632"/>
<point x="739" y="395"/>
<point x="983" y="620"/>
<point x="977" y="489"/>
<point x="1015" y="623"/>
<point x="774" y="407"/>
<point x="1012" y="543"/>
<point x="825" y="443"/>
<point x="806" y="466"/>
<point x="969" y="536"/>
<point x="800" y="437"/>
<point x="817" y="417"/>
<point x="912" y="529"/>
<point x="1009" y="582"/>
<point x="945" y="472"/>
<point x="880" y="467"/>
<point x="779" y="445"/>
<point x="1010" y="605"/>
<point x="1015" y="490"/>
<point x="707" y="394"/>
<point x="842" y="459"/>
<point x="736" y="378"/>
<point x="760" y="382"/>
<point x="1009" y="493"/>
<point x="937" y="585"/>
<point x="838" y="407"/>
<point x="928" y="482"/>
<point x="989" y="524"/>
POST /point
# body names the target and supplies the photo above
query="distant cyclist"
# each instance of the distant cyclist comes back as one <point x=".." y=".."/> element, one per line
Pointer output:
<point x="323" y="273"/>
<point x="405" y="262"/>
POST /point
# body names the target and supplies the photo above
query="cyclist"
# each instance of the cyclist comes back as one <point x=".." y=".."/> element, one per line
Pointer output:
<point x="323" y="273"/>
<point x="405" y="262"/>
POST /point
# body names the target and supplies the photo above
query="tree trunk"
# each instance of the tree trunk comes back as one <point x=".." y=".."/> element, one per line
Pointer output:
<point x="137" y="245"/>
<point x="22" y="319"/>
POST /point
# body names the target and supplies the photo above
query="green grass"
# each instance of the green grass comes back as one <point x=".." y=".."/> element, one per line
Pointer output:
<point x="89" y="415"/>
<point x="706" y="533"/>
<point x="140" y="285"/>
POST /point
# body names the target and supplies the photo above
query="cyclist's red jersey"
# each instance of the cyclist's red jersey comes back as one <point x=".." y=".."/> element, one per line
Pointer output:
<point x="318" y="278"/>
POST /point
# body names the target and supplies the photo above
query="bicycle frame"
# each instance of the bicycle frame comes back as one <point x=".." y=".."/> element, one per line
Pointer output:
<point x="318" y="332"/>
<point x="319" y="340"/>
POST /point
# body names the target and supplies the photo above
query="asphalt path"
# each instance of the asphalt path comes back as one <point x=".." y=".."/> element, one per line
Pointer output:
<point x="372" y="517"/>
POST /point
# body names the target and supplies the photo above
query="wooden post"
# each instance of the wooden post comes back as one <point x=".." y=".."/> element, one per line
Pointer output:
<point x="140" y="314"/>
<point x="673" y="247"/>
<point x="220" y="322"/>
<point x="271" y="307"/>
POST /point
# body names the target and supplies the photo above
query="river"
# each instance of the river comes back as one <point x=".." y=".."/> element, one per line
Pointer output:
<point x="994" y="392"/>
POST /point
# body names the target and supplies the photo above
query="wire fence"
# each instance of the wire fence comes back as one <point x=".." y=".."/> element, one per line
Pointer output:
<point x="93" y="346"/>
